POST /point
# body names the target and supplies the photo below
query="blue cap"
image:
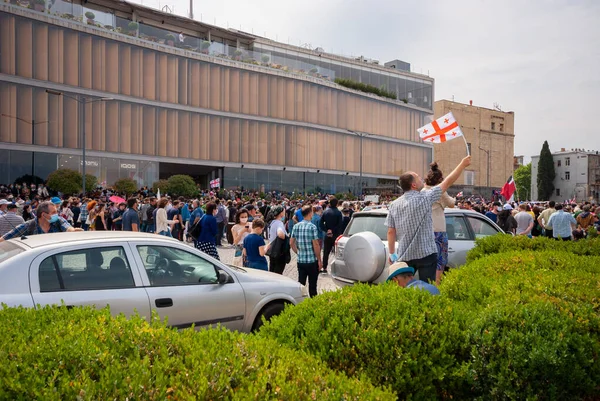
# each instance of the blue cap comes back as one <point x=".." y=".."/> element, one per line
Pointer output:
<point x="56" y="200"/>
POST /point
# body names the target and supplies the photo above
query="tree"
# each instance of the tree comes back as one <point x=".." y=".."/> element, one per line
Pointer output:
<point x="182" y="185"/>
<point x="65" y="180"/>
<point x="163" y="185"/>
<point x="546" y="174"/>
<point x="126" y="186"/>
<point x="69" y="182"/>
<point x="91" y="182"/>
<point x="522" y="177"/>
<point x="29" y="179"/>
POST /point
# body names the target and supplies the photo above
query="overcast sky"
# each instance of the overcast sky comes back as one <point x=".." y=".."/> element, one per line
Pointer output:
<point x="538" y="58"/>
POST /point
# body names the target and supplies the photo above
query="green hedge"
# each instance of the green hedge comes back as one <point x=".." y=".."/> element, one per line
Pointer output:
<point x="414" y="342"/>
<point x="508" y="326"/>
<point x="505" y="243"/>
<point x="348" y="83"/>
<point x="61" y="354"/>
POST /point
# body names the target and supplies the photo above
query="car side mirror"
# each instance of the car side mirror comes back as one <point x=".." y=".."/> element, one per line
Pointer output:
<point x="151" y="259"/>
<point x="223" y="277"/>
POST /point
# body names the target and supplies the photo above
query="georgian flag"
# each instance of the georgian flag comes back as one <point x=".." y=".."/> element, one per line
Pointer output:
<point x="508" y="190"/>
<point x="441" y="130"/>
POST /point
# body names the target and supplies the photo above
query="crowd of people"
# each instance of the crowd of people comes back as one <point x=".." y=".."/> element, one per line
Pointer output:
<point x="264" y="230"/>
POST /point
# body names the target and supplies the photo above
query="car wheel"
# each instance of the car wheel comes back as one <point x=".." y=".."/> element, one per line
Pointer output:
<point x="268" y="312"/>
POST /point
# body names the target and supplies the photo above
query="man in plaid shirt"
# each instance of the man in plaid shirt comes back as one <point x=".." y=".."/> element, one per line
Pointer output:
<point x="46" y="221"/>
<point x="410" y="223"/>
<point x="305" y="242"/>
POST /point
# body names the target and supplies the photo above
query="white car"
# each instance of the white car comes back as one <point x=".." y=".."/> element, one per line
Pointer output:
<point x="140" y="272"/>
<point x="365" y="257"/>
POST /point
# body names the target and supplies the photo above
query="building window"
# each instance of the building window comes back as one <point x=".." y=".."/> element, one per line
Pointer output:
<point x="557" y="191"/>
<point x="567" y="175"/>
<point x="567" y="161"/>
<point x="558" y="163"/>
<point x="493" y="126"/>
<point x="501" y="127"/>
<point x="469" y="178"/>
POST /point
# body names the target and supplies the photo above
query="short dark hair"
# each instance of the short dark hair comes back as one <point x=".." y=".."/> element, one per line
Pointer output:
<point x="210" y="208"/>
<point x="406" y="181"/>
<point x="552" y="204"/>
<point x="559" y="206"/>
<point x="333" y="202"/>
<point x="306" y="210"/>
<point x="131" y="202"/>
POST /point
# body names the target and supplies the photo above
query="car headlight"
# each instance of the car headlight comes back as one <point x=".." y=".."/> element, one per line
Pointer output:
<point x="304" y="291"/>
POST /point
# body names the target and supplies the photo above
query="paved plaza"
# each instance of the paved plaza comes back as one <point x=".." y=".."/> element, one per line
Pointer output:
<point x="325" y="282"/>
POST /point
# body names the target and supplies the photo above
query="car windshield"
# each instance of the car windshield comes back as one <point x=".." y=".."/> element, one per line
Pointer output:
<point x="8" y="250"/>
<point x="371" y="222"/>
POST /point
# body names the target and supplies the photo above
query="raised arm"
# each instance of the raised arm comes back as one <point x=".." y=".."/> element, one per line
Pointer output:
<point x="453" y="176"/>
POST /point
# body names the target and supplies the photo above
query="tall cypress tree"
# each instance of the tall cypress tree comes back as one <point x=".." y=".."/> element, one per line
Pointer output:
<point x="546" y="174"/>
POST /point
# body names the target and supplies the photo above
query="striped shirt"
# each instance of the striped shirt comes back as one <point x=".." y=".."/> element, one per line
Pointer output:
<point x="9" y="221"/>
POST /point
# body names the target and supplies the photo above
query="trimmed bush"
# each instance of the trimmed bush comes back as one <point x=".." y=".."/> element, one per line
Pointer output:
<point x="534" y="351"/>
<point x="505" y="243"/>
<point x="60" y="354"/>
<point x="69" y="182"/>
<point x="519" y="325"/>
<point x="182" y="185"/>
<point x="126" y="186"/>
<point x="409" y="340"/>
<point x="359" y="86"/>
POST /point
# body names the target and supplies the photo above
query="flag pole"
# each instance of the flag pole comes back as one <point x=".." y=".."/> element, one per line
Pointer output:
<point x="466" y="145"/>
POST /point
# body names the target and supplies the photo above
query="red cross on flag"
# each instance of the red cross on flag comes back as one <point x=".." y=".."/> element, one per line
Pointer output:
<point x="441" y="130"/>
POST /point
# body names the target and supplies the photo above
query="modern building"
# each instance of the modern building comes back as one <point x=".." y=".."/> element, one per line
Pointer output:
<point x="165" y="95"/>
<point x="577" y="175"/>
<point x="490" y="136"/>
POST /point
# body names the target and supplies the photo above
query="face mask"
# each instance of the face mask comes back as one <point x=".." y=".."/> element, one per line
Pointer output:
<point x="244" y="220"/>
<point x="282" y="218"/>
<point x="53" y="219"/>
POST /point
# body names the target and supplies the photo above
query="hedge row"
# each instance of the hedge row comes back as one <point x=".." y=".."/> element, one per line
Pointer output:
<point x="508" y="326"/>
<point x="84" y="354"/>
<point x="505" y="243"/>
<point x="348" y="83"/>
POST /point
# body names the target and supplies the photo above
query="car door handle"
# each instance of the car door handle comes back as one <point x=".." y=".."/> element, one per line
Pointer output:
<point x="163" y="302"/>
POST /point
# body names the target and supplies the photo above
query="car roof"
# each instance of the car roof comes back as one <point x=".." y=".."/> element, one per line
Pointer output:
<point x="384" y="212"/>
<point x="40" y="240"/>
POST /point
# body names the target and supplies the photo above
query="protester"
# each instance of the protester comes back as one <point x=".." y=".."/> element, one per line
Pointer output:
<point x="316" y="220"/>
<point x="524" y="221"/>
<point x="131" y="219"/>
<point x="506" y="221"/>
<point x="492" y="214"/>
<point x="305" y="243"/>
<point x="436" y="177"/>
<point x="47" y="220"/>
<point x="331" y="224"/>
<point x="117" y="217"/>
<point x="255" y="247"/>
<point x="240" y="231"/>
<point x="221" y="218"/>
<point x="207" y="240"/>
<point x="161" y="219"/>
<point x="562" y="224"/>
<point x="277" y="230"/>
<point x="10" y="220"/>
<point x="410" y="223"/>
<point x="403" y="275"/>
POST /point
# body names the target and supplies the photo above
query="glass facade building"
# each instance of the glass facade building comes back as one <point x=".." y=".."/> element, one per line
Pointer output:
<point x="210" y="106"/>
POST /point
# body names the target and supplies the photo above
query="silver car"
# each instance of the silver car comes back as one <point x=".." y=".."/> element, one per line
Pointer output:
<point x="140" y="272"/>
<point x="366" y="257"/>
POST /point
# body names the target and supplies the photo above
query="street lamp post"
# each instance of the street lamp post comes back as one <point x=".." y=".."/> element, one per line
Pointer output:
<point x="33" y="123"/>
<point x="488" y="165"/>
<point x="361" y="135"/>
<point x="82" y="103"/>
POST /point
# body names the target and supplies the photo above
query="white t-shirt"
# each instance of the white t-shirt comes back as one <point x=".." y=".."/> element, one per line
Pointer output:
<point x="275" y="226"/>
